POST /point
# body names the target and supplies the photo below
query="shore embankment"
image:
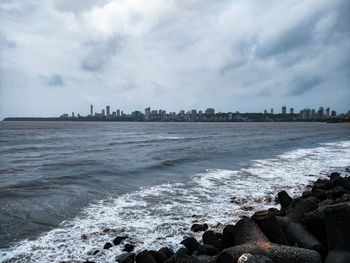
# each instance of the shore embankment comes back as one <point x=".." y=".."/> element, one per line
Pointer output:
<point x="313" y="227"/>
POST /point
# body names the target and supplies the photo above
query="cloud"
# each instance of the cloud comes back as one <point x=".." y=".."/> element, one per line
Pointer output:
<point x="54" y="80"/>
<point x="301" y="86"/>
<point x="100" y="53"/>
<point x="174" y="54"/>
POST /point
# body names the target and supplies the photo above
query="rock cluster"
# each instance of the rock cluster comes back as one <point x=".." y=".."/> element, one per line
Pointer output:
<point x="312" y="228"/>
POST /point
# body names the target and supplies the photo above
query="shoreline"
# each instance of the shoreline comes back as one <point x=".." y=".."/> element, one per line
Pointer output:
<point x="302" y="230"/>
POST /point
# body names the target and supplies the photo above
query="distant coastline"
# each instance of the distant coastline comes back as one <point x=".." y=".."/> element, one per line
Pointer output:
<point x="245" y="117"/>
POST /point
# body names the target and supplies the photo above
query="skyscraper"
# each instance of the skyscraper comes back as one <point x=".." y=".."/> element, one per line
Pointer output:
<point x="108" y="110"/>
<point x="91" y="110"/>
<point x="284" y="109"/>
<point x="147" y="113"/>
<point x="271" y="110"/>
<point x="328" y="112"/>
<point x="291" y="110"/>
<point x="118" y="112"/>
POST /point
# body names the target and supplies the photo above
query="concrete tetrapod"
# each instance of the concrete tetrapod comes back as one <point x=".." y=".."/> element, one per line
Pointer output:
<point x="250" y="239"/>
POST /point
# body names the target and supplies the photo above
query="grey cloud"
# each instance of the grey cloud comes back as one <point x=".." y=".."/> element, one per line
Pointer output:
<point x="300" y="86"/>
<point x="54" y="80"/>
<point x="298" y="38"/>
<point x="100" y="53"/>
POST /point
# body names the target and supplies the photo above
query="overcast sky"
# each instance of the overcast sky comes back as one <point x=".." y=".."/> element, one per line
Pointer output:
<point x="63" y="55"/>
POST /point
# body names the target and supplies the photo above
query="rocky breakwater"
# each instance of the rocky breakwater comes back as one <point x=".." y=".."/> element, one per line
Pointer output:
<point x="312" y="228"/>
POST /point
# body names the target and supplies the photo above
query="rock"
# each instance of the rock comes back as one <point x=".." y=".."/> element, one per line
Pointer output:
<point x="118" y="240"/>
<point x="128" y="247"/>
<point x="191" y="244"/>
<point x="83" y="237"/>
<point x="208" y="250"/>
<point x="249" y="258"/>
<point x="211" y="238"/>
<point x="334" y="175"/>
<point x="182" y="250"/>
<point x="96" y="252"/>
<point x="107" y="245"/>
<point x="277" y="253"/>
<point x="126" y="258"/>
<point x="340" y="181"/>
<point x="145" y="257"/>
<point x="343" y="199"/>
<point x="199" y="227"/>
<point x="267" y="222"/>
<point x="315" y="223"/>
<point x="182" y="258"/>
<point x="205" y="259"/>
<point x="337" y="218"/>
<point x="302" y="206"/>
<point x="228" y="237"/>
<point x="284" y="199"/>
<point x="307" y="194"/>
<point x="338" y="256"/>
<point x="159" y="258"/>
<point x="323" y="184"/>
<point x="166" y="252"/>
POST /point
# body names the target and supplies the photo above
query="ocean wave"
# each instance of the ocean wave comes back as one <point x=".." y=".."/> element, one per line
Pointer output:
<point x="161" y="215"/>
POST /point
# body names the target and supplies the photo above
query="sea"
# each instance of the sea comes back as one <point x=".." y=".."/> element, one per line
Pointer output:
<point x="67" y="188"/>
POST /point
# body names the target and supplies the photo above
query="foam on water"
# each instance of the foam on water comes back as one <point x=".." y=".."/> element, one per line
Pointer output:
<point x="161" y="215"/>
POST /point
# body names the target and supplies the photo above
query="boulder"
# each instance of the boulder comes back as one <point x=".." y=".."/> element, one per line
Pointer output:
<point x="211" y="238"/>
<point x="145" y="257"/>
<point x="199" y="227"/>
<point x="284" y="199"/>
<point x="128" y="247"/>
<point x="249" y="258"/>
<point x="118" y="240"/>
<point x="191" y="244"/>
<point x="108" y="245"/>
<point x="182" y="258"/>
<point x="228" y="237"/>
<point x="125" y="258"/>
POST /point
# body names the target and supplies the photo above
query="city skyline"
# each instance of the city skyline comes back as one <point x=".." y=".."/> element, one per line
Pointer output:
<point x="65" y="54"/>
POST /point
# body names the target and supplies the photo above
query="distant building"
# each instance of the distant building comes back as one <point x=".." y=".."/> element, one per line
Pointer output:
<point x="265" y="111"/>
<point x="193" y="115"/>
<point x="284" y="110"/>
<point x="320" y="113"/>
<point x="210" y="111"/>
<point x="108" y="110"/>
<point x="73" y="114"/>
<point x="291" y="110"/>
<point x="103" y="112"/>
<point x="334" y="113"/>
<point x="91" y="110"/>
<point x="271" y="110"/>
<point x="64" y="115"/>
<point x="147" y="113"/>
<point x="328" y="112"/>
<point x="118" y="112"/>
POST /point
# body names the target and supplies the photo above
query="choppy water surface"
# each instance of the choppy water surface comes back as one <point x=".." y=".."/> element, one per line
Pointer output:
<point x="150" y="181"/>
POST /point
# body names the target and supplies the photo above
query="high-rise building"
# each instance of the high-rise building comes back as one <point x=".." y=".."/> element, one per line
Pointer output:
<point x="147" y="113"/>
<point x="291" y="110"/>
<point x="193" y="115"/>
<point x="271" y="110"/>
<point x="334" y="113"/>
<point x="320" y="113"/>
<point x="265" y="111"/>
<point x="210" y="111"/>
<point x="284" y="110"/>
<point x="118" y="112"/>
<point x="73" y="114"/>
<point x="108" y="110"/>
<point x="91" y="110"/>
<point x="328" y="112"/>
<point x="103" y="112"/>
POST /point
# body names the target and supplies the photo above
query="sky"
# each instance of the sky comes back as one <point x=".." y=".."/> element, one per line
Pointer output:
<point x="60" y="56"/>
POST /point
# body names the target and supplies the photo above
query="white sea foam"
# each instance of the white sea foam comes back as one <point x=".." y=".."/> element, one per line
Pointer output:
<point x="161" y="215"/>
